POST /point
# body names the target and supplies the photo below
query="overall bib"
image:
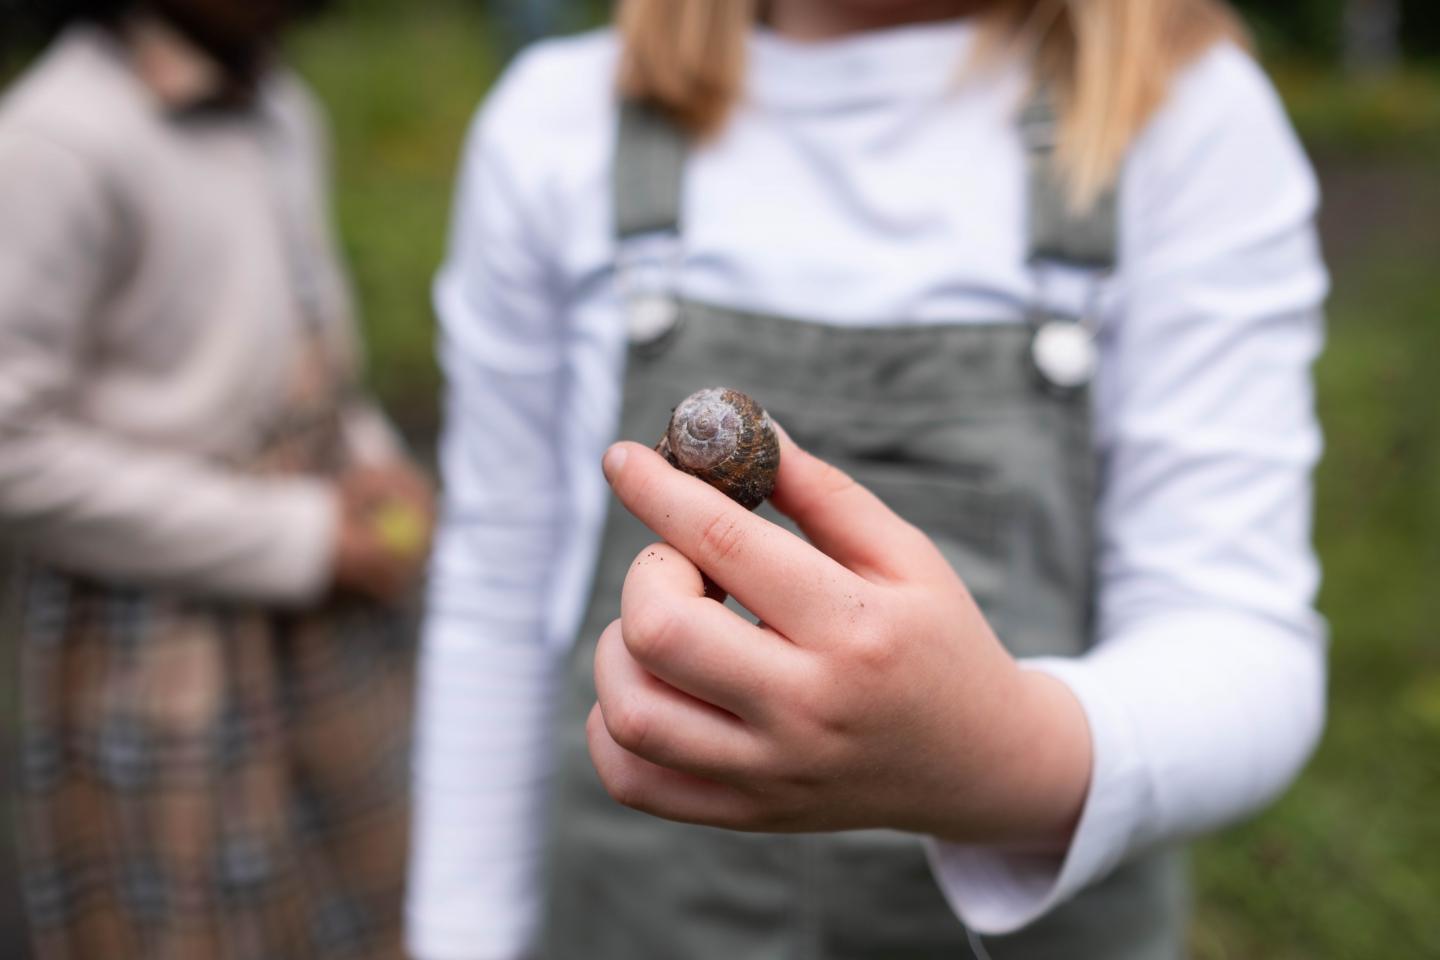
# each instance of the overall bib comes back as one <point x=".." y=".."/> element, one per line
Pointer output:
<point x="956" y="428"/>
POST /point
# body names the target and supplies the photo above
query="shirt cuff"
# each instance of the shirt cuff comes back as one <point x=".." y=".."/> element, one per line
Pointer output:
<point x="426" y="939"/>
<point x="302" y="516"/>
<point x="370" y="439"/>
<point x="997" y="892"/>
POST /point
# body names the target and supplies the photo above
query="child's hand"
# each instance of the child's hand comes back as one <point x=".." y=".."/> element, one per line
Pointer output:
<point x="387" y="514"/>
<point x="874" y="695"/>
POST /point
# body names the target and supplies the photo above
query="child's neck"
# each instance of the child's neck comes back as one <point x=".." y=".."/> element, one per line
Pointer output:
<point x="826" y="19"/>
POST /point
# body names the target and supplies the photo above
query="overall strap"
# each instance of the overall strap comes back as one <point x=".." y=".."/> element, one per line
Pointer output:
<point x="650" y="166"/>
<point x="1088" y="239"/>
<point x="649" y="170"/>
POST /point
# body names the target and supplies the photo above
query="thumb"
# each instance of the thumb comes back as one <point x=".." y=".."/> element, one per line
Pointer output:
<point x="844" y="520"/>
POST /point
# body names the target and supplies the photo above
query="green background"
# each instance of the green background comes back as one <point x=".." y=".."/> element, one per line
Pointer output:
<point x="1344" y="866"/>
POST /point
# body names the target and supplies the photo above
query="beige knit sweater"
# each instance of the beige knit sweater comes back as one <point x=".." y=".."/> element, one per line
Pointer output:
<point x="155" y="261"/>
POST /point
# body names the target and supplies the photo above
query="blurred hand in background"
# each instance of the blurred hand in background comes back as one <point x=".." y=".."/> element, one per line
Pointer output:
<point x="387" y="519"/>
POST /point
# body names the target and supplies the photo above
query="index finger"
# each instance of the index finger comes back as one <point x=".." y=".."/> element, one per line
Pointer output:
<point x="775" y="574"/>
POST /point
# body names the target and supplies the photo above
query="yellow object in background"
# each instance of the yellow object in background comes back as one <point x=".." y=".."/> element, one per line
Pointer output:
<point x="401" y="528"/>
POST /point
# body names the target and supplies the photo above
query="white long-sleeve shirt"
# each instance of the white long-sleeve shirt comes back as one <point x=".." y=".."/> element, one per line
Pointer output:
<point x="871" y="181"/>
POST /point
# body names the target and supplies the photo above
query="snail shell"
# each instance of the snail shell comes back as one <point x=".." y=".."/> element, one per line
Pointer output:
<point x="726" y="439"/>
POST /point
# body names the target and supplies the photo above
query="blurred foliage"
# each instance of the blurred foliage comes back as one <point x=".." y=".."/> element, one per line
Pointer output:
<point x="1313" y="28"/>
<point x="401" y="89"/>
<point x="1398" y="112"/>
<point x="1344" y="866"/>
<point x="1292" y="26"/>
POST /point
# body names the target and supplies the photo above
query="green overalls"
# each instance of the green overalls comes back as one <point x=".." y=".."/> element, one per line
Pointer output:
<point x="958" y="429"/>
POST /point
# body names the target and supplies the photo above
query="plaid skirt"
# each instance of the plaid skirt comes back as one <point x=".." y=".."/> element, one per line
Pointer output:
<point x="211" y="781"/>
<point x="205" y="782"/>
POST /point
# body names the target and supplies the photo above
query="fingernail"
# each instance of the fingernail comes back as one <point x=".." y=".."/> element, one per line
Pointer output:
<point x="614" y="460"/>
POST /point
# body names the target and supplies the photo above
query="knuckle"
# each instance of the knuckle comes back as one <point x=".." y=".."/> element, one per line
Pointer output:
<point x="632" y="725"/>
<point x="723" y="539"/>
<point x="626" y="791"/>
<point x="874" y="650"/>
<point x="872" y="644"/>
<point x="819" y="714"/>
<point x="650" y="631"/>
<point x="828" y="487"/>
<point x="623" y="786"/>
<point x="920" y="546"/>
<point x="785" y="779"/>
<point x="833" y="481"/>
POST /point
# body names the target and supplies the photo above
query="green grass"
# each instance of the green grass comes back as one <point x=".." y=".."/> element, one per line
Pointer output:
<point x="1344" y="866"/>
<point x="1399" y="112"/>
<point x="401" y="90"/>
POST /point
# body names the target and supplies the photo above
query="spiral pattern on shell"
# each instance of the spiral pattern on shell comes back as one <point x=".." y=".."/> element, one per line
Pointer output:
<point x="726" y="439"/>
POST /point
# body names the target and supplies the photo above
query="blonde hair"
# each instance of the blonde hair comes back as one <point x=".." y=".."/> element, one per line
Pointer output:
<point x="1108" y="62"/>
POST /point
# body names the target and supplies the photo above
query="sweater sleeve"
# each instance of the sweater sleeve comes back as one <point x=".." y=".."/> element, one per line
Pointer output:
<point x="488" y="676"/>
<point x="103" y="505"/>
<point x="1205" y="691"/>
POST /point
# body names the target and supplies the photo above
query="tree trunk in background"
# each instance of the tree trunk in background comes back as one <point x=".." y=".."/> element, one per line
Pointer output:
<point x="1372" y="36"/>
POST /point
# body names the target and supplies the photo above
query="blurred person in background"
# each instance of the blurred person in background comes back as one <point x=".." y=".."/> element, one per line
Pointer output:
<point x="1055" y="305"/>
<point x="219" y="526"/>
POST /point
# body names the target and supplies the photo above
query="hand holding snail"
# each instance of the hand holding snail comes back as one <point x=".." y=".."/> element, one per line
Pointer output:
<point x="873" y="695"/>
